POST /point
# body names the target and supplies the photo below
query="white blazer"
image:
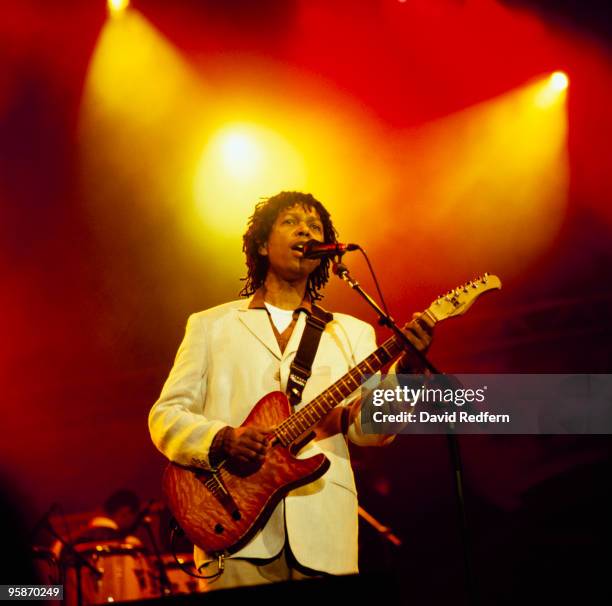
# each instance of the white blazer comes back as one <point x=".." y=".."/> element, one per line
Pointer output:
<point x="228" y="360"/>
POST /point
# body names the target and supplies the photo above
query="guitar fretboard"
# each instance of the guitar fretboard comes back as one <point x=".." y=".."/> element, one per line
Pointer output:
<point x="302" y="421"/>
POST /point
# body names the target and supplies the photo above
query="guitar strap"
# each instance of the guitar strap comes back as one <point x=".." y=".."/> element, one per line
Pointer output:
<point x="301" y="367"/>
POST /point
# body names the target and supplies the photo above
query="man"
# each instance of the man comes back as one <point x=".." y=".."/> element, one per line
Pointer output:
<point x="234" y="354"/>
<point x="121" y="512"/>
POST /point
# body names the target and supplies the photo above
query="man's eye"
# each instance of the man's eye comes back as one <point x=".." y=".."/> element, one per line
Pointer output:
<point x="316" y="227"/>
<point x="288" y="220"/>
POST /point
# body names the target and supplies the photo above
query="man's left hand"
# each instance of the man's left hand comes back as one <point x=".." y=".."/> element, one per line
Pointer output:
<point x="419" y="332"/>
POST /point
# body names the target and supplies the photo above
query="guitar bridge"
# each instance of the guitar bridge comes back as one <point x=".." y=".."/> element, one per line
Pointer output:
<point x="215" y="485"/>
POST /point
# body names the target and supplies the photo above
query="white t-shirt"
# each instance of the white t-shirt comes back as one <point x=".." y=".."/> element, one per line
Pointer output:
<point x="281" y="317"/>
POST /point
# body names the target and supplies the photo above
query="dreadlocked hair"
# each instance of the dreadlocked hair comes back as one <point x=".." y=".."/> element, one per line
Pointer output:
<point x="257" y="233"/>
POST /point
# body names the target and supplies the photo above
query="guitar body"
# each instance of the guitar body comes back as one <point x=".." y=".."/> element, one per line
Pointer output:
<point x="221" y="512"/>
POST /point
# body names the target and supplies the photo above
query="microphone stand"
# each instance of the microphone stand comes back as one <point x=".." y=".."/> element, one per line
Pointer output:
<point x="384" y="319"/>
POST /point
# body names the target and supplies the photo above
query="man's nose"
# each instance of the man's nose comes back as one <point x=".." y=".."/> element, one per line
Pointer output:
<point x="303" y="229"/>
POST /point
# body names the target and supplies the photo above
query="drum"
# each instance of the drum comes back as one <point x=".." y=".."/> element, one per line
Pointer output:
<point x="124" y="573"/>
<point x="46" y="566"/>
<point x="180" y="581"/>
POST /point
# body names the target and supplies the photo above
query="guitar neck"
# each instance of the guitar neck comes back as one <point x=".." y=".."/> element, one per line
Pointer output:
<point x="305" y="419"/>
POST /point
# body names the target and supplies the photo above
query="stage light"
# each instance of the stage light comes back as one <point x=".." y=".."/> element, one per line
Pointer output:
<point x="116" y="7"/>
<point x="558" y="81"/>
<point x="240" y="155"/>
<point x="241" y="163"/>
<point x="551" y="90"/>
<point x="497" y="171"/>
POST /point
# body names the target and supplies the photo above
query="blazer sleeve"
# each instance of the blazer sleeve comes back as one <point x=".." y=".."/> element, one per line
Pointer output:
<point x="177" y="424"/>
<point x="364" y="346"/>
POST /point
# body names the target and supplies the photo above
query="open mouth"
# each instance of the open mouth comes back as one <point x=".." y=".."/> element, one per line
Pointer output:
<point x="298" y="248"/>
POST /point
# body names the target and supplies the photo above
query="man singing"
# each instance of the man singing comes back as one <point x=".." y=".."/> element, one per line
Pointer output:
<point x="234" y="354"/>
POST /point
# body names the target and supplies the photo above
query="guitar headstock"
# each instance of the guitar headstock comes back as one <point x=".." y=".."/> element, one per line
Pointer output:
<point x="456" y="302"/>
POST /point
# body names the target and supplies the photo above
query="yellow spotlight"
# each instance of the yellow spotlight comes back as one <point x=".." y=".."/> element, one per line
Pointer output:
<point x="240" y="155"/>
<point x="558" y="81"/>
<point x="505" y="180"/>
<point x="241" y="163"/>
<point x="551" y="90"/>
<point x="116" y="7"/>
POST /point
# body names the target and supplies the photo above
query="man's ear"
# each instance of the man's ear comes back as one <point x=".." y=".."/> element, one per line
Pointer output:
<point x="263" y="249"/>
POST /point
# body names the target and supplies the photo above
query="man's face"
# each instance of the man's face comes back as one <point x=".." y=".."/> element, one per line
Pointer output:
<point x="125" y="517"/>
<point x="293" y="226"/>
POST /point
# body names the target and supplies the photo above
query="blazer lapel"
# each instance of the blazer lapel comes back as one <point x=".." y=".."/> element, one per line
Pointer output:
<point x="258" y="323"/>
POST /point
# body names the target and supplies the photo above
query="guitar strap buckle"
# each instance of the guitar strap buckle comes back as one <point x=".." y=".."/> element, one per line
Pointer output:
<point x="299" y="375"/>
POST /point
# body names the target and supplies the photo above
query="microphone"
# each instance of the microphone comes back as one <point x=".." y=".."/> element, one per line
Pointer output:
<point x="314" y="249"/>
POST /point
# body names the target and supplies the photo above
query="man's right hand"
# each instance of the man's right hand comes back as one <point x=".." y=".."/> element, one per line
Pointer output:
<point x="245" y="444"/>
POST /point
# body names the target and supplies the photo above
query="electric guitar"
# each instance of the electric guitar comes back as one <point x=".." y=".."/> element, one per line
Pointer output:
<point x="220" y="510"/>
